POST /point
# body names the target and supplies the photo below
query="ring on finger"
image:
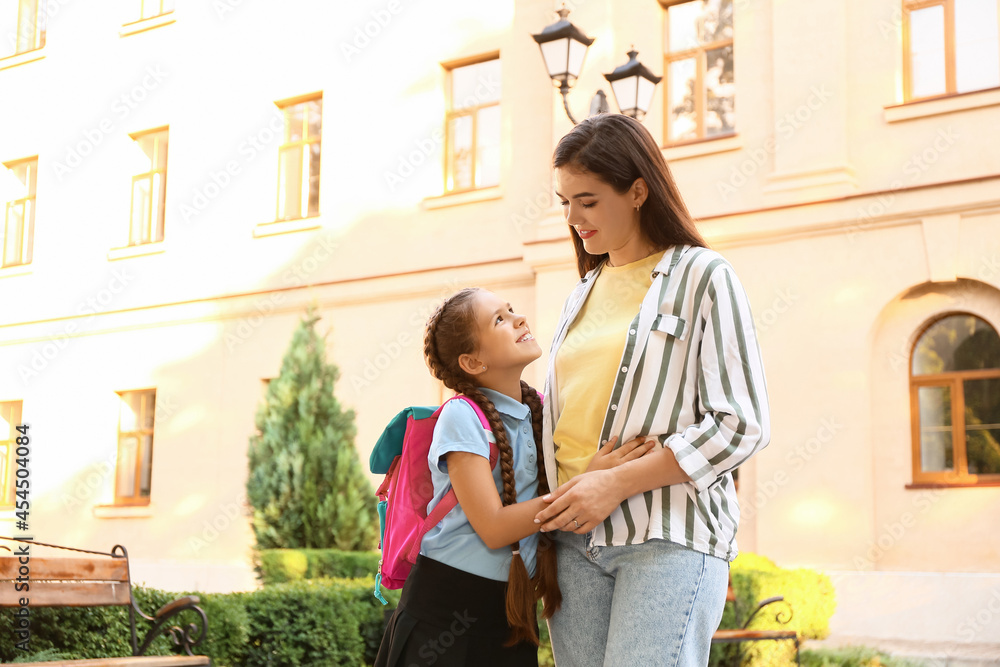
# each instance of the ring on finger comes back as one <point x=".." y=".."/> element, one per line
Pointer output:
<point x="576" y="523"/>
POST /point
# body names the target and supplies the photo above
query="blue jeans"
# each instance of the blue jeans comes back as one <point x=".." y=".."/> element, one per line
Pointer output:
<point x="651" y="604"/>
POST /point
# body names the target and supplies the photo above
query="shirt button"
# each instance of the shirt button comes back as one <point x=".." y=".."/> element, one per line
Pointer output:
<point x="531" y="458"/>
<point x="614" y="407"/>
<point x="525" y="429"/>
<point x="631" y="332"/>
<point x="624" y="369"/>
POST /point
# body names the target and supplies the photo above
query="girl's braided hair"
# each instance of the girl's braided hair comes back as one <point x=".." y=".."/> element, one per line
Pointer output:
<point x="451" y="332"/>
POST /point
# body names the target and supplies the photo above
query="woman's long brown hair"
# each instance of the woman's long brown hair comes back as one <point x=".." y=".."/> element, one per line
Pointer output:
<point x="451" y="332"/>
<point x="618" y="150"/>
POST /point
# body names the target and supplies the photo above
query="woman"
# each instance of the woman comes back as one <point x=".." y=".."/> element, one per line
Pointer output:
<point x="656" y="340"/>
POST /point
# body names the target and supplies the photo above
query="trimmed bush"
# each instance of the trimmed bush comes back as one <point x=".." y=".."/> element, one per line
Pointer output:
<point x="321" y="622"/>
<point x="275" y="566"/>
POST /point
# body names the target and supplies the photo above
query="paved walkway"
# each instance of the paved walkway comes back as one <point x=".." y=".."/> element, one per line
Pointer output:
<point x="932" y="654"/>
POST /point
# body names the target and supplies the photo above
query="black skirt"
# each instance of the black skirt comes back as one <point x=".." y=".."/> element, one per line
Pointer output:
<point x="449" y="618"/>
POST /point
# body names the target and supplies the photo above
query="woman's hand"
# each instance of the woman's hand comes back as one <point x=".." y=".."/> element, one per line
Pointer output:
<point x="582" y="503"/>
<point x="609" y="457"/>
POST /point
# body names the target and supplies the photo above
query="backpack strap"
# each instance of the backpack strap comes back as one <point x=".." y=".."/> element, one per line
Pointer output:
<point x="450" y="500"/>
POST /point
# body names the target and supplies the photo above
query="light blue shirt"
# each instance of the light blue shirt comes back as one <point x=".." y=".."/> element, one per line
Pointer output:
<point x="453" y="541"/>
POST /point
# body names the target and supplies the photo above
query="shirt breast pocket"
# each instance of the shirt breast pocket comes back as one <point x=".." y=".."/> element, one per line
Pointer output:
<point x="671" y="325"/>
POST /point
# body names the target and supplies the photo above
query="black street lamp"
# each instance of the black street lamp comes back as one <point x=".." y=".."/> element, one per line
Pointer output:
<point x="633" y="85"/>
<point x="564" y="46"/>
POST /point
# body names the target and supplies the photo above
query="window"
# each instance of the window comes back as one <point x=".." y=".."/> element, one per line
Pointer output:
<point x="150" y="8"/>
<point x="955" y="402"/>
<point x="472" y="126"/>
<point x="18" y="190"/>
<point x="949" y="46"/>
<point x="10" y="417"/>
<point x="22" y="26"/>
<point x="135" y="447"/>
<point x="698" y="62"/>
<point x="298" y="160"/>
<point x="149" y="187"/>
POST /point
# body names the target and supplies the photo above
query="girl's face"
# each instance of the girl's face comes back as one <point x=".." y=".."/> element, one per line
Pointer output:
<point x="505" y="341"/>
<point x="606" y="221"/>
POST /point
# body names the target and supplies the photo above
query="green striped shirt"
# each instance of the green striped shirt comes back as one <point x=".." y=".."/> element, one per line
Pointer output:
<point x="691" y="375"/>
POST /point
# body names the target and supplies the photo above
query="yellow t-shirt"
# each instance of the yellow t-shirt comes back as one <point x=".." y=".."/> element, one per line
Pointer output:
<point x="588" y="359"/>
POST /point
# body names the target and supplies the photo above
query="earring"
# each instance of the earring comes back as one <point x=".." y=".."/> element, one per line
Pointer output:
<point x="637" y="207"/>
<point x="484" y="368"/>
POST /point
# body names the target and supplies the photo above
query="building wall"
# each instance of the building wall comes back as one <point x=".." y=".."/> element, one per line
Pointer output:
<point x="850" y="221"/>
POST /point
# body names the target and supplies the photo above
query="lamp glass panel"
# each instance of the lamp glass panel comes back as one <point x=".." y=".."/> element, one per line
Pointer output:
<point x="556" y="55"/>
<point x="977" y="48"/>
<point x="927" y="59"/>
<point x="625" y="91"/>
<point x="644" y="95"/>
<point x="577" y="52"/>
<point x="680" y="94"/>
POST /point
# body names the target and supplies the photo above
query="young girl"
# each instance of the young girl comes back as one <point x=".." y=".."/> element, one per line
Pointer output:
<point x="470" y="598"/>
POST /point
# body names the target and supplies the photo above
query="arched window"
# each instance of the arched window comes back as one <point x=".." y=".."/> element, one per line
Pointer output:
<point x="955" y="402"/>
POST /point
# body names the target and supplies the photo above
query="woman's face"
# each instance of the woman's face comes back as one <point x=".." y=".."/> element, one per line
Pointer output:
<point x="606" y="221"/>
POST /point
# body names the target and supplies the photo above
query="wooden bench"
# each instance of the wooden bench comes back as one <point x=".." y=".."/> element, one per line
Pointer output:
<point x="742" y="634"/>
<point x="95" y="580"/>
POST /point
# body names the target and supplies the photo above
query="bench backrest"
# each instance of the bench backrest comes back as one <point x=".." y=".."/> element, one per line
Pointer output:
<point x="64" y="582"/>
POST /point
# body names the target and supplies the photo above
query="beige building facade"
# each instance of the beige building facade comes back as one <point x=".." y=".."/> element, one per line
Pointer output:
<point x="182" y="180"/>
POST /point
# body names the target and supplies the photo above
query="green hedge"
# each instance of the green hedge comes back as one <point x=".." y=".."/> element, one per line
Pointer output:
<point x="321" y="622"/>
<point x="277" y="566"/>
<point x="810" y="597"/>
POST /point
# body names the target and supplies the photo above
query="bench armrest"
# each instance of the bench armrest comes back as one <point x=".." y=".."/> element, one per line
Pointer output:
<point x="170" y="608"/>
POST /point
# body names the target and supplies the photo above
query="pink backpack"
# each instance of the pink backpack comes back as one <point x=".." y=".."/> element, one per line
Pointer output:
<point x="401" y="454"/>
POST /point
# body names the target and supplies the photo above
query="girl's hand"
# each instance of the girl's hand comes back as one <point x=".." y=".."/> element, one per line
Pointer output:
<point x="609" y="457"/>
<point x="582" y="503"/>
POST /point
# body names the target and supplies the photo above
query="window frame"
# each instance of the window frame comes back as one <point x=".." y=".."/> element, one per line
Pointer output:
<point x="700" y="53"/>
<point x="304" y="144"/>
<point x="8" y="476"/>
<point x="139" y="433"/>
<point x="954" y="380"/>
<point x="154" y="227"/>
<point x="38" y="32"/>
<point x="28" y="222"/>
<point x="451" y="113"/>
<point x="950" y="71"/>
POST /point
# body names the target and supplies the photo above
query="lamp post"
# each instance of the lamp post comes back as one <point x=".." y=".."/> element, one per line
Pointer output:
<point x="564" y="47"/>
